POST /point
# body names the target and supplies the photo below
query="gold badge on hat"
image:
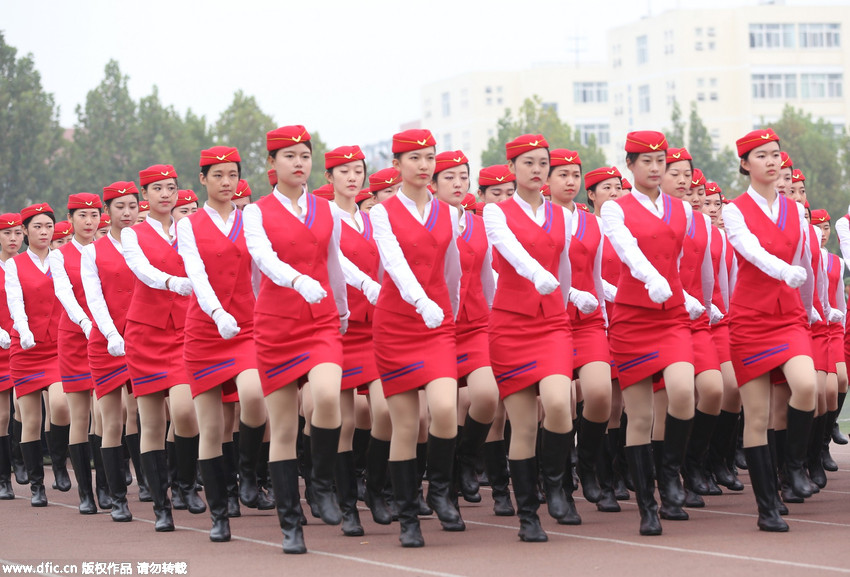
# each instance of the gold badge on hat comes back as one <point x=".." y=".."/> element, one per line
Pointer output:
<point x="422" y="142"/>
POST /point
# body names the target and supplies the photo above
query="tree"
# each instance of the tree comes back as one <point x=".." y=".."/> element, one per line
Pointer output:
<point x="32" y="137"/>
<point x="317" y="175"/>
<point x="721" y="167"/>
<point x="676" y="134"/>
<point x="244" y="125"/>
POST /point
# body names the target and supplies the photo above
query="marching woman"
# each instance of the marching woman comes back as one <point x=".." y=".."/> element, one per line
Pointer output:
<point x="345" y="169"/>
<point x="648" y="229"/>
<point x="144" y="211"/>
<point x="477" y="287"/>
<point x="384" y="183"/>
<point x="301" y="309"/>
<point x="770" y="235"/>
<point x="414" y="331"/>
<point x="11" y="237"/>
<point x="187" y="203"/>
<point x="62" y="234"/>
<point x="242" y="196"/>
<point x="108" y="285"/>
<point x="591" y="357"/>
<point x="74" y="329"/>
<point x="219" y="347"/>
<point x="496" y="183"/>
<point x="155" y="361"/>
<point x="531" y="240"/>
<point x="35" y="311"/>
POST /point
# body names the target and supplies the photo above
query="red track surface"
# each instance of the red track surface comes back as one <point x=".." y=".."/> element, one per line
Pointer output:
<point x="721" y="539"/>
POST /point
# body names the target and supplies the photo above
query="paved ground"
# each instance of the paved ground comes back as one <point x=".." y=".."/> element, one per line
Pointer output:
<point x="721" y="539"/>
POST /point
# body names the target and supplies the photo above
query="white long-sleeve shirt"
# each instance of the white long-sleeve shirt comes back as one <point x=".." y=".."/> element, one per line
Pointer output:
<point x="488" y="275"/>
<point x="840" y="300"/>
<point x="842" y="229"/>
<point x="62" y="284"/>
<point x="392" y="257"/>
<point x="505" y="241"/>
<point x="598" y="282"/>
<point x="281" y="273"/>
<point x="353" y="275"/>
<point x="138" y="261"/>
<point x="14" y="292"/>
<point x="94" y="290"/>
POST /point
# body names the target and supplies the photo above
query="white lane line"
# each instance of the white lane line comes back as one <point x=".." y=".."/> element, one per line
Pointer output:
<point x="680" y="549"/>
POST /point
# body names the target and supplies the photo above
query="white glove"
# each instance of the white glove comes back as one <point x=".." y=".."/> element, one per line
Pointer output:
<point x="794" y="276"/>
<point x="835" y="316"/>
<point x="715" y="316"/>
<point x="27" y="340"/>
<point x="85" y="324"/>
<point x="694" y="307"/>
<point x="180" y="285"/>
<point x="659" y="289"/>
<point x="5" y="340"/>
<point x="610" y="291"/>
<point x="544" y="281"/>
<point x="371" y="290"/>
<point x="310" y="289"/>
<point x="431" y="312"/>
<point x="343" y="323"/>
<point x="814" y="316"/>
<point x="115" y="345"/>
<point x="584" y="301"/>
<point x="225" y="323"/>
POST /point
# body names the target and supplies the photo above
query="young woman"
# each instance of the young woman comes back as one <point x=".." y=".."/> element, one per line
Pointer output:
<point x="414" y="331"/>
<point x="157" y="367"/>
<point x="591" y="357"/>
<point x="770" y="235"/>
<point x="187" y="203"/>
<point x="144" y="210"/>
<point x="648" y="229"/>
<point x="496" y="183"/>
<point x="532" y="292"/>
<point x="11" y="238"/>
<point x="477" y="287"/>
<point x="242" y="196"/>
<point x="301" y="309"/>
<point x="384" y="183"/>
<point x="219" y="348"/>
<point x="103" y="227"/>
<point x="35" y="311"/>
<point x="74" y="329"/>
<point x="63" y="231"/>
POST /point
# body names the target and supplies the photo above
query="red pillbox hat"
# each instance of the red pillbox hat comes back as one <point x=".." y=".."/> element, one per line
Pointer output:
<point x="495" y="175"/>
<point x="450" y="159"/>
<point x="645" y="141"/>
<point x="343" y="155"/>
<point x="219" y="154"/>
<point x="563" y="157"/>
<point x="755" y="139"/>
<point x="524" y="143"/>
<point x="697" y="178"/>
<point x="597" y="175"/>
<point x="35" y="209"/>
<point x="384" y="178"/>
<point x="156" y="173"/>
<point x="119" y="188"/>
<point x="286" y="136"/>
<point x="185" y="197"/>
<point x="414" y="139"/>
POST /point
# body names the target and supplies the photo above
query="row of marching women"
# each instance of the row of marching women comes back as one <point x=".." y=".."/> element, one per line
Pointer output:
<point x="367" y="339"/>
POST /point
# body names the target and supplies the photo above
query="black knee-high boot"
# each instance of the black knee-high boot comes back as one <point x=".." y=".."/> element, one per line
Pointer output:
<point x="101" y="485"/>
<point x="827" y="461"/>
<point x="231" y="481"/>
<point x="155" y="468"/>
<point x="187" y="472"/>
<point x="776" y="441"/>
<point x="113" y="465"/>
<point x="838" y="437"/>
<point x="360" y="446"/>
<point x="6" y="491"/>
<point x="669" y="510"/>
<point x="721" y="445"/>
<point x="554" y="449"/>
<point x="524" y="477"/>
<point x="31" y="453"/>
<point x="17" y="457"/>
<point x="496" y="465"/>
<point x="763" y="478"/>
<point x="469" y="448"/>
<point x="284" y="479"/>
<point x="406" y="481"/>
<point x="325" y="443"/>
<point x="618" y="463"/>
<point x="672" y="493"/>
<point x="346" y="490"/>
<point x="589" y="442"/>
<point x="263" y="479"/>
<point x="813" y="457"/>
<point x="213" y="474"/>
<point x="132" y="440"/>
<point x="421" y="469"/>
<point x="81" y="462"/>
<point x="306" y="467"/>
<point x="697" y="448"/>
<point x="250" y="447"/>
<point x="377" y="457"/>
<point x="796" y="444"/>
<point x="57" y="443"/>
<point x="571" y="517"/>
<point x="441" y="457"/>
<point x="177" y="502"/>
<point x="640" y="458"/>
<point x="605" y="474"/>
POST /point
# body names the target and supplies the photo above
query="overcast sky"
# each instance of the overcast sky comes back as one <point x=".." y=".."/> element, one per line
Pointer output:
<point x="351" y="70"/>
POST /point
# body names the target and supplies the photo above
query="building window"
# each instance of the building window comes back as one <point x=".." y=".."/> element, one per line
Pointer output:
<point x="488" y="90"/>
<point x="489" y="101"/>
<point x="447" y="141"/>
<point x="771" y="36"/>
<point x="642" y="50"/>
<point x="701" y="96"/>
<point x="713" y="97"/>
<point x="553" y="106"/>
<point x="446" y="101"/>
<point x="820" y="35"/>
<point x="713" y="82"/>
<point x="643" y="99"/>
<point x="711" y="45"/>
<point x="817" y="86"/>
<point x="669" y="44"/>
<point x="601" y="132"/>
<point x="710" y="32"/>
<point x="499" y="89"/>
<point x="585" y="92"/>
<point x="773" y="86"/>
<point x="700" y="82"/>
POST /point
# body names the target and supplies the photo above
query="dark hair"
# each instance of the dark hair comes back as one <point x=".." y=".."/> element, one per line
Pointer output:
<point x="468" y="173"/>
<point x="206" y="169"/>
<point x="145" y="186"/>
<point x="631" y="157"/>
<point x="482" y="190"/>
<point x="107" y="204"/>
<point x="591" y="188"/>
<point x="28" y="220"/>
<point x="690" y="163"/>
<point x="331" y="171"/>
<point x="72" y="211"/>
<point x="552" y="168"/>
<point x="307" y="143"/>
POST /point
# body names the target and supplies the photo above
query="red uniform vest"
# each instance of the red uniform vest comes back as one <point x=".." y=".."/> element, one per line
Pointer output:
<point x="660" y="240"/>
<point x="833" y="274"/>
<point x="72" y="258"/>
<point x="361" y="250"/>
<point x="583" y="247"/>
<point x="117" y="281"/>
<point x="716" y="258"/>
<point x="424" y="248"/>
<point x="515" y="293"/>
<point x="304" y="247"/>
<point x="693" y="252"/>
<point x="151" y="306"/>
<point x="42" y="306"/>
<point x="817" y="268"/>
<point x="754" y="289"/>
<point x="611" y="263"/>
<point x="227" y="264"/>
<point x="5" y="315"/>
<point x="472" y="246"/>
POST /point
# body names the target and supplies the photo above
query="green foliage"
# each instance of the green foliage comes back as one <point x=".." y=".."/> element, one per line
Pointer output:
<point x="317" y="175"/>
<point x="244" y="125"/>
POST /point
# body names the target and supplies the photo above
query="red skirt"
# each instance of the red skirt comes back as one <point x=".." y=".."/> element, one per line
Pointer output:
<point x="720" y="336"/>
<point x="155" y="357"/>
<point x="409" y="355"/>
<point x="288" y="348"/>
<point x="760" y="342"/>
<point x="820" y="345"/>
<point x="705" y="351"/>
<point x="590" y="343"/>
<point x="646" y="341"/>
<point x="358" y="356"/>
<point x="609" y="307"/>
<point x="212" y="361"/>
<point x="836" y="346"/>
<point x="34" y="369"/>
<point x="108" y="372"/>
<point x="5" y="371"/>
<point x="73" y="350"/>
<point x="473" y="345"/>
<point x="523" y="350"/>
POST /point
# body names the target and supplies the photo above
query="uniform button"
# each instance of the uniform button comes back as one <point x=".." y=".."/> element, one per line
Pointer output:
<point x="218" y="254"/>
<point x="315" y="243"/>
<point x="291" y="242"/>
<point x="416" y="262"/>
<point x="434" y="245"/>
<point x="415" y="244"/>
<point x="355" y="253"/>
<point x="654" y="236"/>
